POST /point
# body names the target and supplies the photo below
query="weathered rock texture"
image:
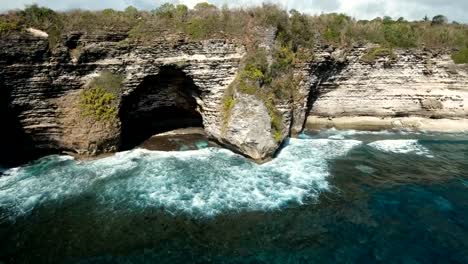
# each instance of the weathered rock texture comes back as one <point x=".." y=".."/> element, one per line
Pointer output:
<point x="248" y="124"/>
<point x="173" y="83"/>
<point x="80" y="134"/>
<point x="40" y="88"/>
<point x="414" y="83"/>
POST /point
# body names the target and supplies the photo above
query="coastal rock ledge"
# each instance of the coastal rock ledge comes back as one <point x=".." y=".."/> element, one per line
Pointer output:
<point x="174" y="83"/>
<point x="414" y="89"/>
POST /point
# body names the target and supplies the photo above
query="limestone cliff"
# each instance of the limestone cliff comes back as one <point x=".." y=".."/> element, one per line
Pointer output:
<point x="414" y="89"/>
<point x="167" y="84"/>
<point x="40" y="87"/>
<point x="173" y="82"/>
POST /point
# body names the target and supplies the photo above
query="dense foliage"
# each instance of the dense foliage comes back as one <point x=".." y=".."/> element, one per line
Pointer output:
<point x="461" y="56"/>
<point x="99" y="99"/>
<point x="208" y="21"/>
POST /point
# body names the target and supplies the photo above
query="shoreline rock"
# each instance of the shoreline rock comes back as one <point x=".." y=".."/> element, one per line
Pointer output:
<point x="372" y="123"/>
<point x="183" y="139"/>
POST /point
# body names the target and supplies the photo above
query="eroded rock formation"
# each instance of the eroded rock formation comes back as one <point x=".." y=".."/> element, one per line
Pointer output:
<point x="169" y="80"/>
<point x="174" y="83"/>
<point x="249" y="128"/>
<point x="415" y="89"/>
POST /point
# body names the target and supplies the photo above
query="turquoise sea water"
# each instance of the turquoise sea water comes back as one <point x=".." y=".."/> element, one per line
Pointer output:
<point x="332" y="197"/>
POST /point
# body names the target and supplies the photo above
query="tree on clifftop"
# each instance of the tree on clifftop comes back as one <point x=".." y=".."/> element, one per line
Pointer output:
<point x="439" y="20"/>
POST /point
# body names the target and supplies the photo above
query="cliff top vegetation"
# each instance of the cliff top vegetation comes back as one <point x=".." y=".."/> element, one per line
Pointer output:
<point x="206" y="21"/>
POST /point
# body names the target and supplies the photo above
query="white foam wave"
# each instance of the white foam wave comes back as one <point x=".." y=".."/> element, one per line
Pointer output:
<point x="365" y="169"/>
<point x="401" y="146"/>
<point x="201" y="182"/>
<point x="334" y="133"/>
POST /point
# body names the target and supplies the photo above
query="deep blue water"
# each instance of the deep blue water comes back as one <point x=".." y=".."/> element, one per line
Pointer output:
<point x="333" y="197"/>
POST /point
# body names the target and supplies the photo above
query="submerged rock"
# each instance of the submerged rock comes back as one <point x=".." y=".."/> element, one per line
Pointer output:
<point x="179" y="140"/>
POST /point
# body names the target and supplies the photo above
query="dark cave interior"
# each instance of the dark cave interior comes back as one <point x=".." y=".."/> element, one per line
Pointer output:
<point x="161" y="103"/>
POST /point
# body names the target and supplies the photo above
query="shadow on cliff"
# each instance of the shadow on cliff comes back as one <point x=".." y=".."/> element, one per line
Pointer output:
<point x="160" y="103"/>
<point x="15" y="146"/>
<point x="321" y="73"/>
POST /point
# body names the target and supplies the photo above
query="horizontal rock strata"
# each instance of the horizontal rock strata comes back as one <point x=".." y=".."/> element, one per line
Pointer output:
<point x="174" y="83"/>
<point x="412" y="83"/>
<point x="38" y="84"/>
<point x="372" y="123"/>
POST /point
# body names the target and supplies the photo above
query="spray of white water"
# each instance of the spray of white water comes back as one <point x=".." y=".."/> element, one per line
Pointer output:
<point x="202" y="183"/>
<point x="401" y="146"/>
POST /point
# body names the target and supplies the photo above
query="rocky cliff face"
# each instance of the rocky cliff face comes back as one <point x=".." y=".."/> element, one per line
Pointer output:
<point x="173" y="83"/>
<point x="40" y="89"/>
<point x="249" y="127"/>
<point x="409" y="89"/>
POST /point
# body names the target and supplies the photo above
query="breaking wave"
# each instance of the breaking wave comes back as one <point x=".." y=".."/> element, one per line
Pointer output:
<point x="202" y="183"/>
<point x="333" y="133"/>
<point x="401" y="146"/>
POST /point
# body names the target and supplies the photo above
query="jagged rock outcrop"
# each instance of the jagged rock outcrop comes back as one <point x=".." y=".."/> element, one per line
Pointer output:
<point x="84" y="135"/>
<point x="167" y="84"/>
<point x="406" y="90"/>
<point x="172" y="83"/>
<point x="40" y="84"/>
<point x="249" y="128"/>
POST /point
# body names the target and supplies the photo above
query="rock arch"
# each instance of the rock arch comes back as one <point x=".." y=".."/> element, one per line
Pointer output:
<point x="160" y="103"/>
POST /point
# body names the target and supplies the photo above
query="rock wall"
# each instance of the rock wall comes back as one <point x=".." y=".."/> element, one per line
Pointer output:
<point x="249" y="128"/>
<point x="401" y="90"/>
<point x="40" y="89"/>
<point x="42" y="86"/>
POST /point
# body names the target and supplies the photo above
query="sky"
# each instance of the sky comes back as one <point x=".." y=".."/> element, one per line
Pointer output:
<point x="360" y="9"/>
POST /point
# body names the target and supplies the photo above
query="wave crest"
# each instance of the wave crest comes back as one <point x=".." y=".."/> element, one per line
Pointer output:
<point x="202" y="182"/>
<point x="401" y="146"/>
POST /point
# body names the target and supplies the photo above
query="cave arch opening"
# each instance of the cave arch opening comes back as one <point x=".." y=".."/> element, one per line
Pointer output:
<point x="160" y="103"/>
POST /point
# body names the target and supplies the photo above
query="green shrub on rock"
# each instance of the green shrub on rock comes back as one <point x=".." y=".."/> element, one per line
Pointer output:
<point x="248" y="87"/>
<point x="44" y="19"/>
<point x="400" y="34"/>
<point x="275" y="118"/>
<point x="378" y="52"/>
<point x="229" y="103"/>
<point x="7" y="25"/>
<point x="99" y="99"/>
<point x="252" y="72"/>
<point x="461" y="57"/>
<point x="272" y="82"/>
<point x="333" y="26"/>
<point x="97" y="103"/>
<point x="283" y="60"/>
<point x="199" y="28"/>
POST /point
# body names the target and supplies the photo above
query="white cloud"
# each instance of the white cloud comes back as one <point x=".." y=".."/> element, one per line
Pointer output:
<point x="365" y="9"/>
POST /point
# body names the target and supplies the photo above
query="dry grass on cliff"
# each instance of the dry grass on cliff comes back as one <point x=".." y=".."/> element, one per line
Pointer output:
<point x="206" y="21"/>
<point x="461" y="56"/>
<point x="341" y="30"/>
<point x="376" y="53"/>
<point x="248" y="25"/>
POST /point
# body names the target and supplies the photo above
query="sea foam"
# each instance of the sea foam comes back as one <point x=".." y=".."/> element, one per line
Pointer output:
<point x="201" y="183"/>
<point x="401" y="146"/>
<point x="334" y="133"/>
